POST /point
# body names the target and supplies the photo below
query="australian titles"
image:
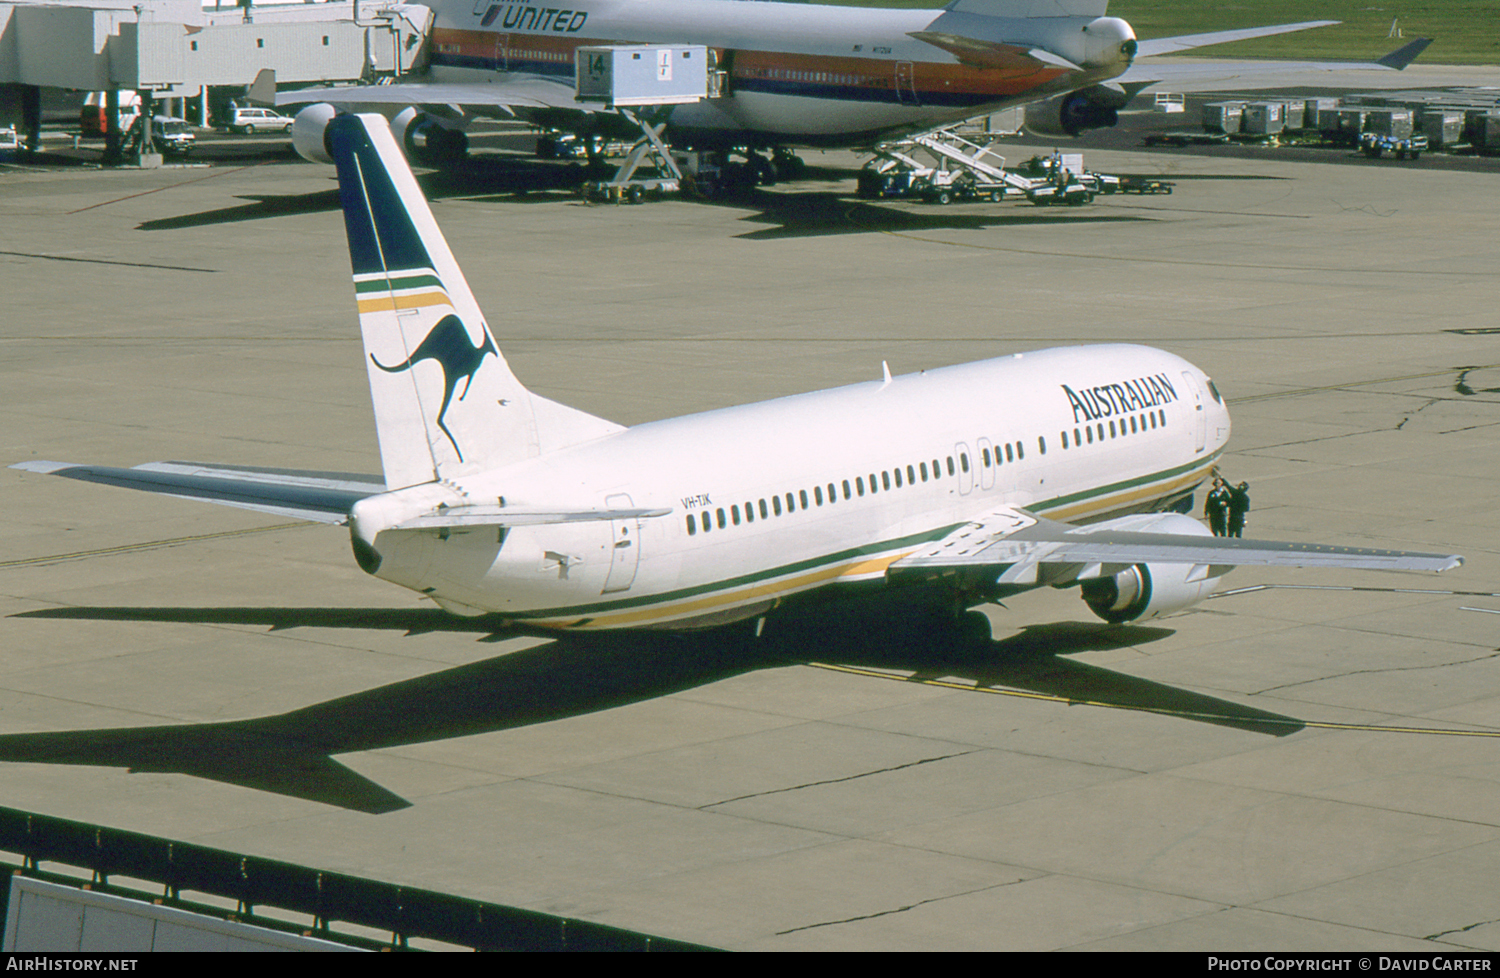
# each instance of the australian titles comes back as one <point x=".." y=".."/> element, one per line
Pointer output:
<point x="524" y="17"/>
<point x="1093" y="403"/>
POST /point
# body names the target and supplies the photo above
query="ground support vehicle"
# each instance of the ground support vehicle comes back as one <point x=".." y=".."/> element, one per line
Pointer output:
<point x="171" y="135"/>
<point x="1186" y="137"/>
<point x="964" y="170"/>
<point x="1144" y="185"/>
<point x="1065" y="189"/>
<point x="629" y="185"/>
<point x="1375" y="145"/>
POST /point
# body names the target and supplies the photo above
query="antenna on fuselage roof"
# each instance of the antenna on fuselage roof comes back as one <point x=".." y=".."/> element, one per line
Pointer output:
<point x="886" y="370"/>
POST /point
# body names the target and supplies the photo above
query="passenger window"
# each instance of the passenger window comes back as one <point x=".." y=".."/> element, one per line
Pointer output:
<point x="1041" y="444"/>
<point x="734" y="514"/>
<point x="1020" y="451"/>
<point x="1111" y="429"/>
<point x="859" y="484"/>
<point x="924" y="471"/>
<point x="802" y="494"/>
<point x="1076" y="440"/>
<point x="749" y="513"/>
<point x="833" y="493"/>
<point x="791" y="503"/>
<point x="1090" y="430"/>
<point x="898" y="478"/>
<point x="885" y="481"/>
<point x="692" y="525"/>
<point x="763" y="510"/>
<point x="776" y="504"/>
<point x="911" y="476"/>
<point x="818" y="495"/>
<point x="985" y="455"/>
<point x="1064" y="435"/>
<point x="1010" y="453"/>
<point x="847" y="493"/>
<point x="722" y="521"/>
<point x="707" y="525"/>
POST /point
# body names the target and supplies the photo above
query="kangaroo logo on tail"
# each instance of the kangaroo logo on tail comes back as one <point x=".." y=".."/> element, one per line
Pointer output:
<point x="456" y="354"/>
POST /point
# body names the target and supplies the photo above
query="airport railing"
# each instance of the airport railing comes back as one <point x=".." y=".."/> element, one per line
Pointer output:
<point x="331" y="901"/>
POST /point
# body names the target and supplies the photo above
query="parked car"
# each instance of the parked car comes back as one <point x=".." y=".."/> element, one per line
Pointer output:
<point x="246" y="119"/>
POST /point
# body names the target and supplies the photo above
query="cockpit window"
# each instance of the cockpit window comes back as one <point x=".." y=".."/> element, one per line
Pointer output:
<point x="1218" y="398"/>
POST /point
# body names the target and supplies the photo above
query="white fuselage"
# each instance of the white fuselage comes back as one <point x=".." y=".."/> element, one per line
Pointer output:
<point x="795" y="72"/>
<point x="776" y="498"/>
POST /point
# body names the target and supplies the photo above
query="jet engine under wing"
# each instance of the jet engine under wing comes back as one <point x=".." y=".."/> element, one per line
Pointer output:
<point x="1020" y="545"/>
<point x="521" y="91"/>
<point x="322" y="497"/>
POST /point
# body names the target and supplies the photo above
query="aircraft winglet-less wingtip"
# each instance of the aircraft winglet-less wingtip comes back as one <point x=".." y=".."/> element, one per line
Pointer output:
<point x="791" y="74"/>
<point x="1061" y="467"/>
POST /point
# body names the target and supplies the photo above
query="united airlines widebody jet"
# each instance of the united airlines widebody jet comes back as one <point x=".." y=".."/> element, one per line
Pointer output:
<point x="792" y="74"/>
<point x="1063" y="467"/>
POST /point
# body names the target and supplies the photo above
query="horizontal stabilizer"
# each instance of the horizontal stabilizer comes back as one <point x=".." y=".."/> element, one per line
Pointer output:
<point x="513" y="516"/>
<point x="322" y="497"/>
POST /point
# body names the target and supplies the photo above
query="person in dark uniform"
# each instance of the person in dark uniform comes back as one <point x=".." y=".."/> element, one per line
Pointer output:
<point x="1216" y="507"/>
<point x="1239" y="505"/>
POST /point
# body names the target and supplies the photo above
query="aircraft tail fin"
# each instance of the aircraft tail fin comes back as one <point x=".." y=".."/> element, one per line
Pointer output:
<point x="446" y="402"/>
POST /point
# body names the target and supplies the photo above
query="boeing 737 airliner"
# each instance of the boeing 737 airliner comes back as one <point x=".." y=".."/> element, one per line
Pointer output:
<point x="1060" y="467"/>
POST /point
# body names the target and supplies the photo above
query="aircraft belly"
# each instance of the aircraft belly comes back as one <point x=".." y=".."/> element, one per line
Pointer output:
<point x="792" y="116"/>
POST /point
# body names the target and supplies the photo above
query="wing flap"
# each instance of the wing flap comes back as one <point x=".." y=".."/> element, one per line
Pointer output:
<point x="1017" y="545"/>
<point x="321" y="497"/>
<point x="521" y="91"/>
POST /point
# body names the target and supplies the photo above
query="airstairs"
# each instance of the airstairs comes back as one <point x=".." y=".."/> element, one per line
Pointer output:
<point x="964" y="168"/>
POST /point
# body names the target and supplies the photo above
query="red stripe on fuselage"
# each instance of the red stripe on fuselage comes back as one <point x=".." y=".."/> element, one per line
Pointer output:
<point x="927" y="77"/>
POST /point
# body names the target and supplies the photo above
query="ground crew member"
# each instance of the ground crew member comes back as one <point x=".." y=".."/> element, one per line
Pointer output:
<point x="1239" y="505"/>
<point x="1216" y="507"/>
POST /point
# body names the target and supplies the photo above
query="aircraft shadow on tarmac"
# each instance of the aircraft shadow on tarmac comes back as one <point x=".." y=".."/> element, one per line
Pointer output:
<point x="796" y="214"/>
<point x="292" y="753"/>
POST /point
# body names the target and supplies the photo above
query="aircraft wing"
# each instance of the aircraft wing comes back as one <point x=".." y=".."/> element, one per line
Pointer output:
<point x="1209" y="76"/>
<point x="520" y="91"/>
<point x="1020" y="546"/>
<point x="322" y="497"/>
<point x="1186" y="42"/>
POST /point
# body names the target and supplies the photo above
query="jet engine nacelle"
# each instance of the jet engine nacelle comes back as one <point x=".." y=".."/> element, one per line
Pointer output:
<point x="1145" y="591"/>
<point x="423" y="138"/>
<point x="307" y="132"/>
<point x="427" y="139"/>
<point x="1096" y="107"/>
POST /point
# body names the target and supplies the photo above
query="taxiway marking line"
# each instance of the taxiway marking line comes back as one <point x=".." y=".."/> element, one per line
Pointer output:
<point x="1190" y="714"/>
<point x="149" y="545"/>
